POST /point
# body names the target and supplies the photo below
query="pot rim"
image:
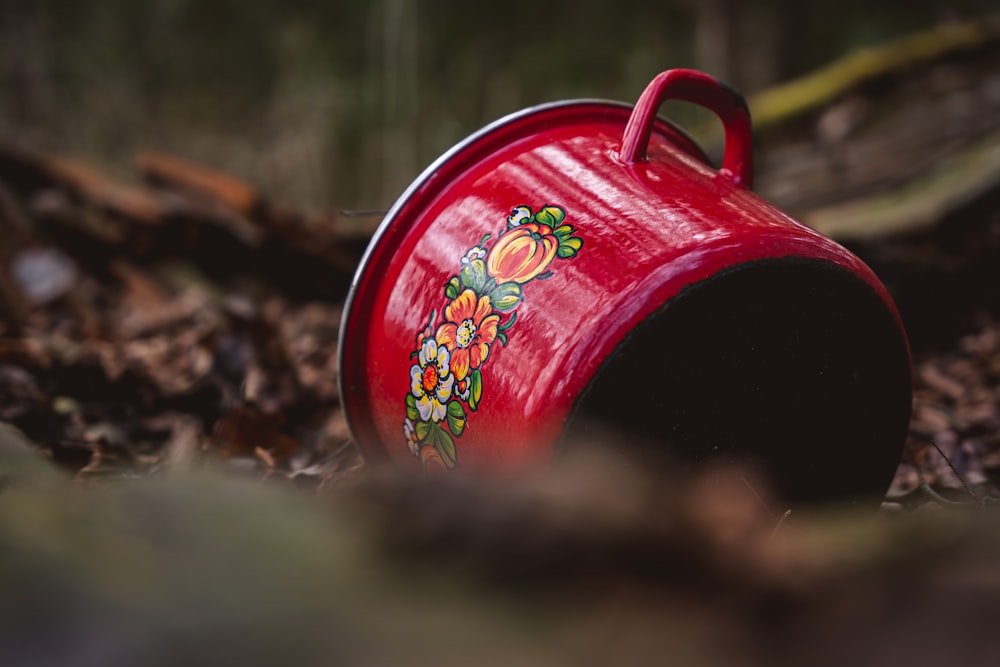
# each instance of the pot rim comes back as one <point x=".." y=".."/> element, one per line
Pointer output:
<point x="682" y="139"/>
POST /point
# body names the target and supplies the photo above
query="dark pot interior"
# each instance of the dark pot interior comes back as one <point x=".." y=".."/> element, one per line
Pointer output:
<point x="792" y="366"/>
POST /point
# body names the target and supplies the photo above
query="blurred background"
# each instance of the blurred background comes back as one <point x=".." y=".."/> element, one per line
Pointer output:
<point x="339" y="105"/>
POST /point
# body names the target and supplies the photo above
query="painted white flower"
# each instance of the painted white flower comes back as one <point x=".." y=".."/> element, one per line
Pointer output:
<point x="476" y="252"/>
<point x="411" y="437"/>
<point x="519" y="215"/>
<point x="431" y="380"/>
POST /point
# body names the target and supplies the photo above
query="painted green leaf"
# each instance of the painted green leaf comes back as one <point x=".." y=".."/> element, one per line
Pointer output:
<point x="482" y="241"/>
<point x="445" y="446"/>
<point x="569" y="247"/>
<point x="509" y="323"/>
<point x="456" y="418"/>
<point x="411" y="407"/>
<point x="502" y="337"/>
<point x="550" y="215"/>
<point x="506" y="296"/>
<point x="454" y="408"/>
<point x="423" y="429"/>
<point x="474" y="275"/>
<point x="434" y="432"/>
<point x="453" y="287"/>
<point x="563" y="232"/>
<point x="475" y="389"/>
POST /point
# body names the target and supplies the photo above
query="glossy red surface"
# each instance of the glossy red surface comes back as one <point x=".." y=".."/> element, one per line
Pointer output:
<point x="650" y="225"/>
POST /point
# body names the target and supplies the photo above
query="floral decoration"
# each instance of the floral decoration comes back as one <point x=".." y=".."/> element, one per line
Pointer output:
<point x="446" y="380"/>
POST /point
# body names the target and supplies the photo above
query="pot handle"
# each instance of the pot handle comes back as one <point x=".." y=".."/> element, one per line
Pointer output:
<point x="718" y="97"/>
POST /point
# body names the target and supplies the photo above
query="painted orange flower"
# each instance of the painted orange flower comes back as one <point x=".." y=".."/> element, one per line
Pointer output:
<point x="446" y="381"/>
<point x="522" y="253"/>
<point x="469" y="330"/>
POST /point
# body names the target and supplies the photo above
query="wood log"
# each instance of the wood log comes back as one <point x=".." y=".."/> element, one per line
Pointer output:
<point x="174" y="173"/>
<point x="786" y="101"/>
<point x="918" y="204"/>
<point x="887" y="140"/>
<point x="134" y="202"/>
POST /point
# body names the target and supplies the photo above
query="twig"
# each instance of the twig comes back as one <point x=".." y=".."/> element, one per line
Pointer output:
<point x="760" y="499"/>
<point x="960" y="476"/>
<point x="363" y="213"/>
<point x="781" y="522"/>
<point x="933" y="495"/>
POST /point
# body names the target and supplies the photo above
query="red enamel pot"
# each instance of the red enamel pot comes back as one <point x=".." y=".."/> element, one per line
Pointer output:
<point x="581" y="264"/>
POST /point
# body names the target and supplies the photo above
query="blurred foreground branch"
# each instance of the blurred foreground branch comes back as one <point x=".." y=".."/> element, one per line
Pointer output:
<point x="593" y="562"/>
